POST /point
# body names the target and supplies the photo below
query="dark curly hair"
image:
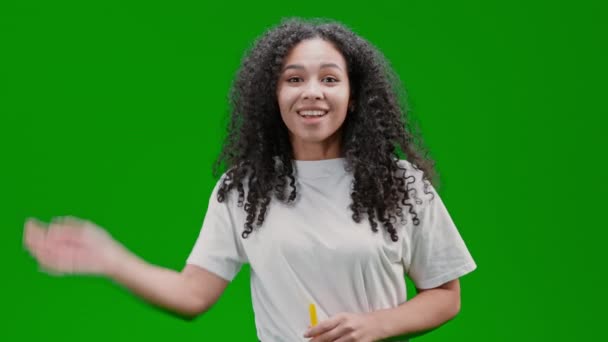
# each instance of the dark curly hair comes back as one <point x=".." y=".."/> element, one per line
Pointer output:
<point x="376" y="133"/>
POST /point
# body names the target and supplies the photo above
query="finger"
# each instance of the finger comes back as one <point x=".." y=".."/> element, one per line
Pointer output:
<point x="46" y="265"/>
<point x="61" y="232"/>
<point x="322" y="327"/>
<point x="34" y="233"/>
<point x="47" y="261"/>
<point x="34" y="221"/>
<point x="71" y="221"/>
<point x="43" y="257"/>
<point x="50" y="271"/>
<point x="37" y="243"/>
<point x="56" y="251"/>
<point x="62" y="221"/>
<point x="55" y="258"/>
<point x="345" y="338"/>
<point x="330" y="335"/>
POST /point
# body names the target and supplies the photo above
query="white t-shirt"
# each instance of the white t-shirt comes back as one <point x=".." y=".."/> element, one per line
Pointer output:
<point x="312" y="251"/>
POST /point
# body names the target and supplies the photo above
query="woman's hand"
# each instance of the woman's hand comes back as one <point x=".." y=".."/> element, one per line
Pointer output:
<point x="345" y="327"/>
<point x="71" y="245"/>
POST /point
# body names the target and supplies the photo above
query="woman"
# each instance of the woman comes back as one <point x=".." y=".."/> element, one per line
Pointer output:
<point x="315" y="198"/>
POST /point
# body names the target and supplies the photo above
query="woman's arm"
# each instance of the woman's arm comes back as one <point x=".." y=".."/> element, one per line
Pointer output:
<point x="186" y="294"/>
<point x="73" y="246"/>
<point x="429" y="309"/>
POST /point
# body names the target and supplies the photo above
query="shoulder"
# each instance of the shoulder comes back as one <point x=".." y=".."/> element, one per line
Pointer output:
<point x="419" y="189"/>
<point x="222" y="188"/>
<point x="412" y="174"/>
<point x="408" y="168"/>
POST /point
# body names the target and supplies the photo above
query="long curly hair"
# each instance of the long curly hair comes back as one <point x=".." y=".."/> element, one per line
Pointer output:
<point x="376" y="133"/>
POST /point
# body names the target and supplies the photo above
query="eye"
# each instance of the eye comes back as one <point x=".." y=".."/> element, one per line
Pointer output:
<point x="330" y="79"/>
<point x="294" y="79"/>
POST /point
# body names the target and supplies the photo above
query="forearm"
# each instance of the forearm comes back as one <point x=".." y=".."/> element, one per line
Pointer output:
<point x="164" y="288"/>
<point x="426" y="311"/>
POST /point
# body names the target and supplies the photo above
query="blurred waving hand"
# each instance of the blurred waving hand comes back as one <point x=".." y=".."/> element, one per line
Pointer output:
<point x="70" y="245"/>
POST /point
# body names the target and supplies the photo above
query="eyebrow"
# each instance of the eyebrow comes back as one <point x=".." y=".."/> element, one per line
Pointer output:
<point x="300" y="67"/>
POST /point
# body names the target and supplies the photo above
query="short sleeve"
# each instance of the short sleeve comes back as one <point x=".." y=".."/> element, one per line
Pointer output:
<point x="218" y="248"/>
<point x="434" y="253"/>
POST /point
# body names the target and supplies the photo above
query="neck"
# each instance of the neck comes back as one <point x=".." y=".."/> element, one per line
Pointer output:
<point x="329" y="148"/>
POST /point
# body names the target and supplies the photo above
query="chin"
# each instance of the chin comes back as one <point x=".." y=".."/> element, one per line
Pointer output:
<point x="313" y="139"/>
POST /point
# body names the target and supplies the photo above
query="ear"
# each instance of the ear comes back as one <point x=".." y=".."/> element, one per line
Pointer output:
<point x="351" y="105"/>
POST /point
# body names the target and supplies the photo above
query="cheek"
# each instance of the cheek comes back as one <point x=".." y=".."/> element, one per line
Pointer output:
<point x="341" y="102"/>
<point x="286" y="98"/>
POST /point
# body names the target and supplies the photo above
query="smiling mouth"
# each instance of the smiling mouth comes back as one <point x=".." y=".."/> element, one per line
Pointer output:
<point x="312" y="113"/>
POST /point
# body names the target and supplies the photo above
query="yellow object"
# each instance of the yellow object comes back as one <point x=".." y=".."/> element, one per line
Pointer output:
<point x="313" y="315"/>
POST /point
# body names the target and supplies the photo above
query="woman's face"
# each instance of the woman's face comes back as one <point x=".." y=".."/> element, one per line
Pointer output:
<point x="313" y="95"/>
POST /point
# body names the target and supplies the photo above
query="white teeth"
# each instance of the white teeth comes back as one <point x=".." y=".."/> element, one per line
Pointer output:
<point x="312" y="112"/>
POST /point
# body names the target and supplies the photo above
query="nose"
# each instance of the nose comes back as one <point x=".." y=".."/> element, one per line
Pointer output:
<point x="312" y="91"/>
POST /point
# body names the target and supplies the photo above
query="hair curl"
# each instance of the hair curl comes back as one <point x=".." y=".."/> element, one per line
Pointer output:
<point x="375" y="133"/>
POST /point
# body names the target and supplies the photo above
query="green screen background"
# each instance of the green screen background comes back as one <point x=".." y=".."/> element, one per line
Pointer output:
<point x="115" y="111"/>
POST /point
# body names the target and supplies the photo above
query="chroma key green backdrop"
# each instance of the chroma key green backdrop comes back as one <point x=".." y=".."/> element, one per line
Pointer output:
<point x="114" y="111"/>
